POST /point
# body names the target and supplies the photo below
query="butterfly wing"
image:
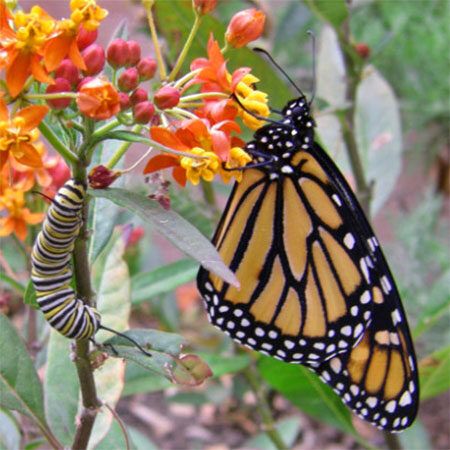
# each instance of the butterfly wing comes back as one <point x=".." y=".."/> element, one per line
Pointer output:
<point x="305" y="291"/>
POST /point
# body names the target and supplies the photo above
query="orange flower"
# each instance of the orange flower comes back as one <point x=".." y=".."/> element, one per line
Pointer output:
<point x="18" y="134"/>
<point x="244" y="27"/>
<point x="85" y="14"/>
<point x="212" y="143"/>
<point x="17" y="215"/>
<point x="98" y="99"/>
<point x="23" y="177"/>
<point x="22" y="49"/>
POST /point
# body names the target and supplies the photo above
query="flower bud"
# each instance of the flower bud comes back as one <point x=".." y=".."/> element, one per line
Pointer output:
<point x="124" y="100"/>
<point x="117" y="53"/>
<point x="167" y="97"/>
<point x="146" y="68"/>
<point x="134" y="53"/>
<point x="68" y="71"/>
<point x="244" y="27"/>
<point x="83" y="82"/>
<point x="138" y="96"/>
<point x="363" y="50"/>
<point x="61" y="85"/>
<point x="94" y="58"/>
<point x="100" y="177"/>
<point x="59" y="173"/>
<point x="128" y="80"/>
<point x="204" y="6"/>
<point x="85" y="38"/>
<point x="143" y="112"/>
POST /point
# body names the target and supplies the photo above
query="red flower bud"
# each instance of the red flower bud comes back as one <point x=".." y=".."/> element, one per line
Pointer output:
<point x="363" y="50"/>
<point x="100" y="177"/>
<point x="138" y="96"/>
<point x="69" y="71"/>
<point x="129" y="79"/>
<point x="244" y="27"/>
<point x="83" y="82"/>
<point x="60" y="173"/>
<point x="94" y="58"/>
<point x="85" y="38"/>
<point x="204" y="6"/>
<point x="117" y="53"/>
<point x="167" y="97"/>
<point x="61" y="85"/>
<point x="143" y="112"/>
<point x="146" y="68"/>
<point x="134" y="53"/>
<point x="124" y="101"/>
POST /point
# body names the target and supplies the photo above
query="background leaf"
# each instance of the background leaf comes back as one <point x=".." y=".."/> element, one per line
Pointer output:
<point x="145" y="286"/>
<point x="9" y="431"/>
<point x="434" y="373"/>
<point x="334" y="12"/>
<point x="304" y="389"/>
<point x="20" y="388"/>
<point x="180" y="232"/>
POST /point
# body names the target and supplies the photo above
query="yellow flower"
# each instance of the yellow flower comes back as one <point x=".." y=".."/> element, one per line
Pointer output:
<point x="18" y="216"/>
<point x="87" y="13"/>
<point x="253" y="100"/>
<point x="237" y="158"/>
<point x="200" y="168"/>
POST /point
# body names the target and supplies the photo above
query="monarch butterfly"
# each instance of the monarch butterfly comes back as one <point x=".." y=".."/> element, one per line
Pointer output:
<point x="50" y="266"/>
<point x="315" y="287"/>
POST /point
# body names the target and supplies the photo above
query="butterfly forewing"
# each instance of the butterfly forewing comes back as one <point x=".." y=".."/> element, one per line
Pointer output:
<point x="302" y="296"/>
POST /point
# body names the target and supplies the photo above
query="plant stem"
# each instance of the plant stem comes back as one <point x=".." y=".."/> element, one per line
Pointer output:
<point x="84" y="291"/>
<point x="122" y="149"/>
<point x="187" y="46"/>
<point x="353" y="76"/>
<point x="55" y="96"/>
<point x="105" y="128"/>
<point x="392" y="441"/>
<point x="148" y="5"/>
<point x="251" y="375"/>
<point x="57" y="144"/>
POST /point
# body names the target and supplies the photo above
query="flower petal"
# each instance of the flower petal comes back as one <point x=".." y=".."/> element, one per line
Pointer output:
<point x="55" y="51"/>
<point x="29" y="156"/>
<point x="179" y="175"/>
<point x="17" y="73"/>
<point x="167" y="138"/>
<point x="39" y="72"/>
<point x="160" y="162"/>
<point x="32" y="116"/>
<point x="75" y="56"/>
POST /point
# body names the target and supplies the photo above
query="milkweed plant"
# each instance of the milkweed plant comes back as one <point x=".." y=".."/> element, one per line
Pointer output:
<point x="72" y="108"/>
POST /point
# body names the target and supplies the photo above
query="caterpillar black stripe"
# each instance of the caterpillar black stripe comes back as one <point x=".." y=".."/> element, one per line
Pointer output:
<point x="51" y="273"/>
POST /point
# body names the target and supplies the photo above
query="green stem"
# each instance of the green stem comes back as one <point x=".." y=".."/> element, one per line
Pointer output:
<point x="189" y="98"/>
<point x="209" y="194"/>
<point x="84" y="291"/>
<point x="121" y="150"/>
<point x="54" y="141"/>
<point x="148" y="5"/>
<point x="105" y="128"/>
<point x="55" y="96"/>
<point x="252" y="377"/>
<point x="187" y="46"/>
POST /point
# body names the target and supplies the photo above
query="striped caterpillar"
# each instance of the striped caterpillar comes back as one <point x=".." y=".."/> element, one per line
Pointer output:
<point x="51" y="273"/>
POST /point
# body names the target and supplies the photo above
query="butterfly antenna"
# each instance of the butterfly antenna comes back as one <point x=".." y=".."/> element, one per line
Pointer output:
<point x="313" y="43"/>
<point x="257" y="116"/>
<point x="272" y="60"/>
<point x="127" y="338"/>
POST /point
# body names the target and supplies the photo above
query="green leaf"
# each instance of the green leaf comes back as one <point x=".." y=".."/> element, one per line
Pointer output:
<point x="221" y="365"/>
<point x="180" y="232"/>
<point x="140" y="440"/>
<point x="113" y="303"/>
<point x="9" y="431"/>
<point x="378" y="134"/>
<point x="334" y="11"/>
<point x="124" y="135"/>
<point x="139" y="380"/>
<point x="288" y="429"/>
<point x="147" y="285"/>
<point x="438" y="305"/>
<point x="434" y="373"/>
<point x="103" y="215"/>
<point x="18" y="287"/>
<point x="20" y="388"/>
<point x="415" y="437"/>
<point x="307" y="392"/>
<point x="61" y="397"/>
<point x="29" y="297"/>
